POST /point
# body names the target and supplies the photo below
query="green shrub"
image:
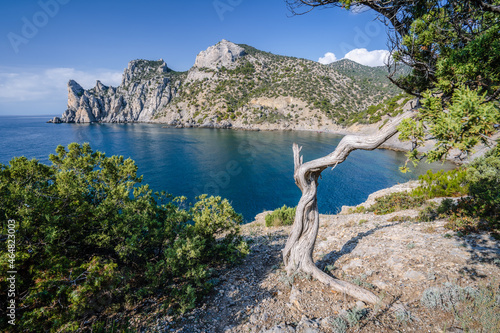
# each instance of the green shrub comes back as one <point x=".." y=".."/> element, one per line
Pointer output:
<point x="483" y="176"/>
<point x="463" y="222"/>
<point x="339" y="325"/>
<point x="427" y="214"/>
<point x="451" y="183"/>
<point x="355" y="315"/>
<point x="281" y="216"/>
<point x="357" y="210"/>
<point x="91" y="241"/>
<point x="395" y="202"/>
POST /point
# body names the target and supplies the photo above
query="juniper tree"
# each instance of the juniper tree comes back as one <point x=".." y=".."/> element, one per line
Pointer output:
<point x="453" y="51"/>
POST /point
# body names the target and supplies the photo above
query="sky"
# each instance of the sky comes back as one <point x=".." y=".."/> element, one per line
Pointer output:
<point x="45" y="43"/>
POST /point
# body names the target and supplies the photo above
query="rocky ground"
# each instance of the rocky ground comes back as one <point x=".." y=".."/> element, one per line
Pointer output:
<point x="388" y="254"/>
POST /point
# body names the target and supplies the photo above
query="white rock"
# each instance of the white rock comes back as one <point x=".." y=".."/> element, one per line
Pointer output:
<point x="223" y="53"/>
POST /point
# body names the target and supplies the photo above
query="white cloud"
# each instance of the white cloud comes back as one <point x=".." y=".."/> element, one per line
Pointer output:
<point x="328" y="58"/>
<point x="368" y="58"/>
<point x="44" y="84"/>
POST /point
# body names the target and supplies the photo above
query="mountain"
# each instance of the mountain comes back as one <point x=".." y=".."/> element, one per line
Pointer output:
<point x="234" y="85"/>
<point x="373" y="77"/>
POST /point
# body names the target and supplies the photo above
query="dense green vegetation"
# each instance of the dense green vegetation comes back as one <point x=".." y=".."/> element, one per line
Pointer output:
<point x="369" y="79"/>
<point x="93" y="243"/>
<point x="464" y="122"/>
<point x="311" y="85"/>
<point x="281" y="216"/>
<point x="453" y="49"/>
<point x="374" y="113"/>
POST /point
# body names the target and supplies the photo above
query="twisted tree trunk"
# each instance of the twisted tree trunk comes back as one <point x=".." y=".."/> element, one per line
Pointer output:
<point x="297" y="254"/>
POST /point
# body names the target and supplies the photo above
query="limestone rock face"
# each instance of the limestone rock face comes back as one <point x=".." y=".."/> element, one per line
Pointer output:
<point x="214" y="58"/>
<point x="145" y="89"/>
<point x="75" y="91"/>
<point x="223" y="53"/>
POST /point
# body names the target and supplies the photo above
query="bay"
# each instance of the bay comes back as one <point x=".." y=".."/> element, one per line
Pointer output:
<point x="253" y="170"/>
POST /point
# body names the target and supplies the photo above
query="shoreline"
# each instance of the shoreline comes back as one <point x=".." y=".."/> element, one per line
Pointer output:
<point x="393" y="143"/>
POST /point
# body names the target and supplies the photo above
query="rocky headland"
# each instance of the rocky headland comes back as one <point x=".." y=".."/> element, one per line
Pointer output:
<point x="235" y="86"/>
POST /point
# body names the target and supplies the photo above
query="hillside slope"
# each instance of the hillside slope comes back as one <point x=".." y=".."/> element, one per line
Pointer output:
<point x="446" y="282"/>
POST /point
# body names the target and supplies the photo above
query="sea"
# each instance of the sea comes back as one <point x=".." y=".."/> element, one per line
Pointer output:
<point x="252" y="169"/>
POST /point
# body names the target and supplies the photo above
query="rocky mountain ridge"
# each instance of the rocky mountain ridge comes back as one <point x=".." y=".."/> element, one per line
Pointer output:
<point x="230" y="86"/>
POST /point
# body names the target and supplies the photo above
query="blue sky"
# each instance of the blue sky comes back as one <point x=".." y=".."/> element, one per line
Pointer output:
<point x="44" y="43"/>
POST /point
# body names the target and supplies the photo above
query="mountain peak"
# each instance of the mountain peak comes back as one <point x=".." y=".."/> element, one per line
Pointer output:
<point x="141" y="68"/>
<point x="224" y="53"/>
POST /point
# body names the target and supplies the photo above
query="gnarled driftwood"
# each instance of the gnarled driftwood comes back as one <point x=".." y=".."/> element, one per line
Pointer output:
<point x="297" y="254"/>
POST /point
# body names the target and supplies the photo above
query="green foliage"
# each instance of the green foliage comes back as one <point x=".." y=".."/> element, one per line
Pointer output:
<point x="449" y="45"/>
<point x="396" y="201"/>
<point x="403" y="316"/>
<point x="480" y="209"/>
<point x="453" y="50"/>
<point x="374" y="113"/>
<point x="459" y="44"/>
<point x="451" y="183"/>
<point x="462" y="219"/>
<point x="339" y="325"/>
<point x="92" y="241"/>
<point x="281" y="216"/>
<point x="477" y="185"/>
<point x="354" y="315"/>
<point x="357" y="210"/>
<point x="461" y="124"/>
<point x="429" y="213"/>
<point x="246" y="69"/>
<point x="483" y="176"/>
<point x="477" y="60"/>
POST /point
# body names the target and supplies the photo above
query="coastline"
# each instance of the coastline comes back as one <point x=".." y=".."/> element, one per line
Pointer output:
<point x="356" y="129"/>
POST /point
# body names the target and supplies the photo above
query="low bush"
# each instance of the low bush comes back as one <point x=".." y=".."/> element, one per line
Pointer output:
<point x="451" y="183"/>
<point x="395" y="202"/>
<point x="474" y="309"/>
<point x="93" y="243"/>
<point x="483" y="176"/>
<point x="281" y="216"/>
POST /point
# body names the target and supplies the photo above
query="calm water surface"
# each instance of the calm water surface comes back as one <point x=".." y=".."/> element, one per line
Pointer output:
<point x="253" y="170"/>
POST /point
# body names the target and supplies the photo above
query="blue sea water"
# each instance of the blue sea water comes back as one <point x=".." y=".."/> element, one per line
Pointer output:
<point x="253" y="170"/>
